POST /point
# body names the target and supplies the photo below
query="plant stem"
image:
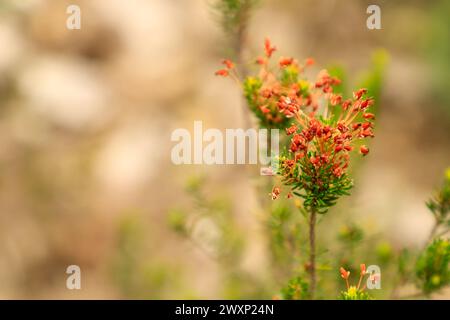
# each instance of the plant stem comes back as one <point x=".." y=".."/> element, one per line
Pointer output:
<point x="312" y="252"/>
<point x="433" y="232"/>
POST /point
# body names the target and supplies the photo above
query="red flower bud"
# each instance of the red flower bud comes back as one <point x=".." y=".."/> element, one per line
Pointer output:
<point x="286" y="62"/>
<point x="293" y="147"/>
<point x="291" y="129"/>
<point x="314" y="160"/>
<point x="366" y="133"/>
<point x="275" y="193"/>
<point x="368" y="116"/>
<point x="364" y="150"/>
<point x="366" y="125"/>
<point x="289" y="163"/>
<point x="335" y="99"/>
<point x="344" y="273"/>
<point x="342" y="127"/>
<point x="363" y="269"/>
<point x="264" y="109"/>
<point x="228" y="63"/>
<point x="358" y="94"/>
<point x="309" y="62"/>
<point x="222" y="72"/>
<point x="269" y="48"/>
<point x="299" y="156"/>
<point x="338" y="172"/>
<point x="266" y="93"/>
<point x="348" y="147"/>
<point x="366" y="103"/>
<point x="346" y="104"/>
<point x="261" y="60"/>
<point x="356" y="126"/>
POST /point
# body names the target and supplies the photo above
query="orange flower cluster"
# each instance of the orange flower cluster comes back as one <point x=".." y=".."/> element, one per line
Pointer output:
<point x="269" y="90"/>
<point x="323" y="140"/>
<point x="346" y="275"/>
<point x="323" y="126"/>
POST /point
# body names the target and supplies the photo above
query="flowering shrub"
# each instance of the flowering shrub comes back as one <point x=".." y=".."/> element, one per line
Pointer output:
<point x="432" y="266"/>
<point x="323" y="128"/>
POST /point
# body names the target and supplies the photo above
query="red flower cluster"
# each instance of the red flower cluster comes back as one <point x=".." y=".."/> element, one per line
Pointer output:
<point x="273" y="89"/>
<point x="327" y="142"/>
<point x="322" y="125"/>
<point x="229" y="65"/>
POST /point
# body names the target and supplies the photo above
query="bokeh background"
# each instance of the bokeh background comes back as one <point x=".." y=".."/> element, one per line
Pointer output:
<point x="85" y="123"/>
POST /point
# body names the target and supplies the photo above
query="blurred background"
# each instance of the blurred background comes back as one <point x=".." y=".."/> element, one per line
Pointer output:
<point x="85" y="123"/>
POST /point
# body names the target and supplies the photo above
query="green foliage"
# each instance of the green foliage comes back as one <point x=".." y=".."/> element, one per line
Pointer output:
<point x="439" y="204"/>
<point x="372" y="79"/>
<point x="224" y="245"/>
<point x="437" y="50"/>
<point x="215" y="211"/>
<point x="289" y="75"/>
<point x="233" y="13"/>
<point x="251" y="92"/>
<point x="177" y="221"/>
<point x="384" y="251"/>
<point x="432" y="266"/>
<point x="404" y="262"/>
<point x="285" y="232"/>
<point x="354" y="294"/>
<point x="296" y="289"/>
<point x="135" y="275"/>
<point x="350" y="234"/>
<point x="319" y="187"/>
<point x="234" y="16"/>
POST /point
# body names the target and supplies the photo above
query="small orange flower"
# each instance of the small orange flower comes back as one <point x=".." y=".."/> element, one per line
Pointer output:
<point x="284" y="62"/>
<point x="344" y="273"/>
<point x="291" y="129"/>
<point x="364" y="150"/>
<point x="222" y="72"/>
<point x="309" y="62"/>
<point x="356" y="126"/>
<point x="275" y="193"/>
<point x="335" y="99"/>
<point x="269" y="48"/>
<point x="363" y="269"/>
<point x="358" y="94"/>
<point x="346" y="104"/>
<point x="367" y="103"/>
<point x="228" y="63"/>
<point x="338" y="172"/>
<point x="261" y="60"/>
<point x="348" y="147"/>
<point x="264" y="109"/>
<point x="368" y="116"/>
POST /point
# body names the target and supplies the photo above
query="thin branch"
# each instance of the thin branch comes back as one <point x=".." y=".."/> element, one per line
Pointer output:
<point x="312" y="252"/>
